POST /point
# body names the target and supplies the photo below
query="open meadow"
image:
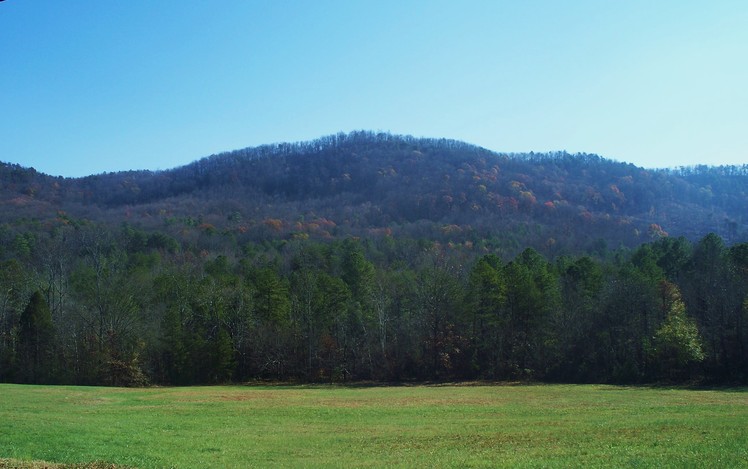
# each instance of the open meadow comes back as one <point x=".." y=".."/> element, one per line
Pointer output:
<point x="406" y="426"/>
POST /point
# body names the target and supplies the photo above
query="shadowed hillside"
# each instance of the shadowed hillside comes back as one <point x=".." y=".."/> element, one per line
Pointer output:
<point x="375" y="257"/>
<point x="366" y="184"/>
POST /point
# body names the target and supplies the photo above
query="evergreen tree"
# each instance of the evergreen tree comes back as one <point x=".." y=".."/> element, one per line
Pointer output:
<point x="485" y="301"/>
<point x="677" y="343"/>
<point x="36" y="336"/>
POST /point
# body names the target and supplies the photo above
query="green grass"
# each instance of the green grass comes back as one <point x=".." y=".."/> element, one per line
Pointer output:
<point x="418" y="426"/>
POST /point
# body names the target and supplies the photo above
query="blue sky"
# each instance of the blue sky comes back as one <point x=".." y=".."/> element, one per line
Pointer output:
<point x="92" y="86"/>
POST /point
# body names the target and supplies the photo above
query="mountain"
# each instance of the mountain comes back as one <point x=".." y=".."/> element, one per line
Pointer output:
<point x="377" y="184"/>
<point x="369" y="256"/>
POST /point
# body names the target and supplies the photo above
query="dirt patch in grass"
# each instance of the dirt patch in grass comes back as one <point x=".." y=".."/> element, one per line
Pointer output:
<point x="229" y="396"/>
<point x="247" y="396"/>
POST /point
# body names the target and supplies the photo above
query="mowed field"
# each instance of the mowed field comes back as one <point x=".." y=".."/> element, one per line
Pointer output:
<point x="401" y="426"/>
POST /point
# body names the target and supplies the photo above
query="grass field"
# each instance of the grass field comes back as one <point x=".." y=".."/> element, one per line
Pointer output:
<point x="407" y="426"/>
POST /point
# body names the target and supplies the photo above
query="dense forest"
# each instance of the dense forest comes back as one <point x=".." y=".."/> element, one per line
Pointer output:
<point x="364" y="184"/>
<point x="375" y="257"/>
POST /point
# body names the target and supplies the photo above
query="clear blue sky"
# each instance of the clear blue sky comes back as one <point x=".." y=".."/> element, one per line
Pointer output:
<point x="89" y="86"/>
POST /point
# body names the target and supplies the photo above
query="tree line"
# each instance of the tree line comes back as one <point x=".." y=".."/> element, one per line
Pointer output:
<point x="87" y="304"/>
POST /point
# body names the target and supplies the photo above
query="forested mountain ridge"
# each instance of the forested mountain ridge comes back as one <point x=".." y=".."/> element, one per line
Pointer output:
<point x="364" y="183"/>
<point x="375" y="257"/>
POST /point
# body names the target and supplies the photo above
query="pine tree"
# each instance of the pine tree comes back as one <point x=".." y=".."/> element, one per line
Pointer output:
<point x="36" y="335"/>
<point x="677" y="342"/>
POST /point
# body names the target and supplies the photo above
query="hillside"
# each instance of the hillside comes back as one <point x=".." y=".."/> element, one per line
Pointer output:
<point x="367" y="184"/>
<point x="375" y="257"/>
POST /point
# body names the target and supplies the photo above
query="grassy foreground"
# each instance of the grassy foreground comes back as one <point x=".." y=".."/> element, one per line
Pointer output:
<point x="419" y="426"/>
